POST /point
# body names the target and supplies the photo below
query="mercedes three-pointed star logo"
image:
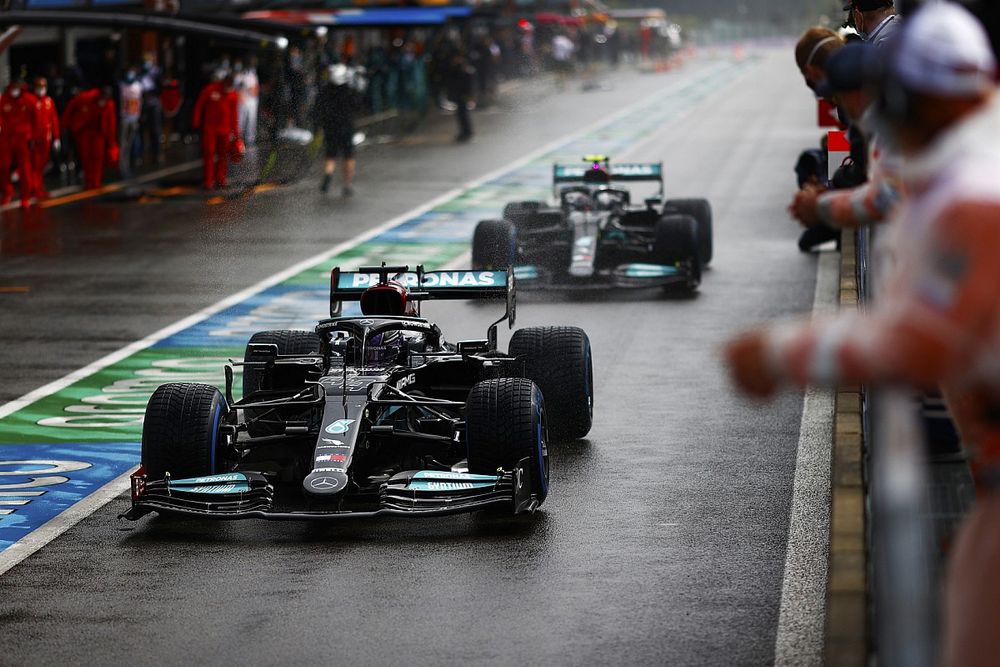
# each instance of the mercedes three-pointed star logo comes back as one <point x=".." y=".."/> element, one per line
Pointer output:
<point x="325" y="483"/>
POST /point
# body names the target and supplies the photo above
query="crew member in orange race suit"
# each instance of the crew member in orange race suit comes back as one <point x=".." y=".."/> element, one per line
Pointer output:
<point x="91" y="118"/>
<point x="937" y="322"/>
<point x="216" y="113"/>
<point x="18" y="126"/>
<point x="48" y="135"/>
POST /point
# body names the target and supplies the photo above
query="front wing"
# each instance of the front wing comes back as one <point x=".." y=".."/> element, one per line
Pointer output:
<point x="628" y="276"/>
<point x="249" y="495"/>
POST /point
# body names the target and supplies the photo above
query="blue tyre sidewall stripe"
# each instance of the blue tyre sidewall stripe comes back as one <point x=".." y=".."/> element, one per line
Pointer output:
<point x="215" y="435"/>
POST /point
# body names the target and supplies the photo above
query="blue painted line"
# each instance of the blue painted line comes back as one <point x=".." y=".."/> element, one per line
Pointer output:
<point x="39" y="481"/>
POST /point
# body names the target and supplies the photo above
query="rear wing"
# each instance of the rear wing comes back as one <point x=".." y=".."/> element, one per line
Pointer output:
<point x="621" y="171"/>
<point x="426" y="285"/>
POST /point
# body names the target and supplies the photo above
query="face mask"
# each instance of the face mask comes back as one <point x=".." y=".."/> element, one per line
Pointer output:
<point x="41" y="92"/>
<point x="15" y="93"/>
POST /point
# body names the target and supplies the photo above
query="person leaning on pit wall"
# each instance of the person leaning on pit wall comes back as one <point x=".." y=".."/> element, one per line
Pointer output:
<point x="812" y="52"/>
<point x="937" y="321"/>
<point x="871" y="202"/>
<point x="875" y="20"/>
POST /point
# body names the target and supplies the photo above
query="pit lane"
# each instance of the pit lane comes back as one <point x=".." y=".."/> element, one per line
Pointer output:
<point x="663" y="540"/>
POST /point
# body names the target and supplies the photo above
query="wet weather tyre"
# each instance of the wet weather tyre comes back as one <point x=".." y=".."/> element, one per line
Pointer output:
<point x="559" y="361"/>
<point x="494" y="245"/>
<point x="288" y="341"/>
<point x="506" y="422"/>
<point x="676" y="242"/>
<point x="516" y="211"/>
<point x="181" y="431"/>
<point x="701" y="211"/>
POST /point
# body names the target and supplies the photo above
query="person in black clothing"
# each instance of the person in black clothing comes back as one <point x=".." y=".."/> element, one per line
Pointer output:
<point x="460" y="83"/>
<point x="338" y="103"/>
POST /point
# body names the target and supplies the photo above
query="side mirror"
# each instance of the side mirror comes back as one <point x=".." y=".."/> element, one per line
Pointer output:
<point x="653" y="202"/>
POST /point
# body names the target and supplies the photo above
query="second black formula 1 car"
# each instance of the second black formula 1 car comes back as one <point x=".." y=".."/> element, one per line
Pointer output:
<point x="595" y="236"/>
<point x="372" y="415"/>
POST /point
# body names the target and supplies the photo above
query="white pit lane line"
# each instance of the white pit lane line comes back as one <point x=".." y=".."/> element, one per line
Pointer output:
<point x="802" y="615"/>
<point x="49" y="531"/>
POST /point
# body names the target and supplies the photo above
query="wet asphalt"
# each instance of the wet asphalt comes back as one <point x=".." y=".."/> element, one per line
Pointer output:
<point x="663" y="538"/>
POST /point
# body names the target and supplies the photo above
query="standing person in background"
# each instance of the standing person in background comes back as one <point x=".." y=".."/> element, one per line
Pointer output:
<point x="151" y="122"/>
<point x="19" y="120"/>
<point x="216" y="114"/>
<point x="130" y="100"/>
<point x="460" y="83"/>
<point x="248" y="88"/>
<point x="48" y="136"/>
<point x="336" y="107"/>
<point x="297" y="91"/>
<point x="562" y="58"/>
<point x="90" y="117"/>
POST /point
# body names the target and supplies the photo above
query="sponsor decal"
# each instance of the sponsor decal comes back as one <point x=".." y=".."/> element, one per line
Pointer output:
<point x="340" y="426"/>
<point x="435" y="279"/>
<point x="323" y="457"/>
<point x="211" y="479"/>
<point x="329" y="470"/>
<point x="406" y="381"/>
<point x="446" y="474"/>
<point x="241" y="487"/>
<point x="334" y="443"/>
<point x="420" y="485"/>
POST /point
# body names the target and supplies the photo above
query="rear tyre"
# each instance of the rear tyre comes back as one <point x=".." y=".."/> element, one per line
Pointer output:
<point x="701" y="211"/>
<point x="288" y="341"/>
<point x="494" y="245"/>
<point x="677" y="243"/>
<point x="559" y="361"/>
<point x="515" y="211"/>
<point x="181" y="431"/>
<point x="505" y="422"/>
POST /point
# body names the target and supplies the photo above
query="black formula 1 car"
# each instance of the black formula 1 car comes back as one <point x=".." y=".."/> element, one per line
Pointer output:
<point x="372" y="415"/>
<point x="594" y="236"/>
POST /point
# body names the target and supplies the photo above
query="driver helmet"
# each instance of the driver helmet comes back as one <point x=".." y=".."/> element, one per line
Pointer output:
<point x="390" y="299"/>
<point x="385" y="349"/>
<point x="578" y="200"/>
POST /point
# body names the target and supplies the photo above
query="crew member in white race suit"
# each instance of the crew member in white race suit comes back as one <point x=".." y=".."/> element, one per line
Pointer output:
<point x="937" y="322"/>
<point x="248" y="89"/>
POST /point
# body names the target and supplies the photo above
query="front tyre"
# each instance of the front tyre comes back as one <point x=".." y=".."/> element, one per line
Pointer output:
<point x="676" y="242"/>
<point x="181" y="433"/>
<point x="494" y="245"/>
<point x="505" y="422"/>
<point x="701" y="211"/>
<point x="559" y="361"/>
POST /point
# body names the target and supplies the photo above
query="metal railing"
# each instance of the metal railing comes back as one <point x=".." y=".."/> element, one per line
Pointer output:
<point x="901" y="555"/>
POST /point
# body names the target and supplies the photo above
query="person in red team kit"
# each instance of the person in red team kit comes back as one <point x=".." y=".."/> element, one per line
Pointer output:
<point x="48" y="135"/>
<point x="216" y="113"/>
<point x="90" y="117"/>
<point x="18" y="126"/>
